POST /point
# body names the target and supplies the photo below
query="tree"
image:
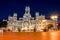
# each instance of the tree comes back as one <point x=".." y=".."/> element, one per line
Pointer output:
<point x="59" y="25"/>
<point x="3" y="24"/>
<point x="49" y="26"/>
<point x="19" y="29"/>
<point x="34" y="29"/>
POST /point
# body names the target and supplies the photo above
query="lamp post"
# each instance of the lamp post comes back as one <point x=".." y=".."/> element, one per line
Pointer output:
<point x="55" y="19"/>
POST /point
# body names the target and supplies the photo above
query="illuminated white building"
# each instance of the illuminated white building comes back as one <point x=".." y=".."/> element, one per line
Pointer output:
<point x="27" y="23"/>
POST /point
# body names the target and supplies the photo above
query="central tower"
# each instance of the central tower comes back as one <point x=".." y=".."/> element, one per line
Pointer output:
<point x="27" y="9"/>
<point x="27" y="14"/>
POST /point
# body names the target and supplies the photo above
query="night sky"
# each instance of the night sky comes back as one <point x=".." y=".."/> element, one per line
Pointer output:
<point x="45" y="7"/>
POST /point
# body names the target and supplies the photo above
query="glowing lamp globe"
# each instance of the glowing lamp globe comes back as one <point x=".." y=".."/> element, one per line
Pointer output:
<point x="54" y="16"/>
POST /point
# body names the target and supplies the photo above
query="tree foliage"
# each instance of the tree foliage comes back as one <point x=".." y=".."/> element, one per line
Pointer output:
<point x="59" y="25"/>
<point x="34" y="29"/>
<point x="3" y="24"/>
<point x="49" y="26"/>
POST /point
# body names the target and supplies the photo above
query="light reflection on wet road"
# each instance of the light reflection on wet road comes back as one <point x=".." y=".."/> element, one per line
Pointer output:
<point x="30" y="36"/>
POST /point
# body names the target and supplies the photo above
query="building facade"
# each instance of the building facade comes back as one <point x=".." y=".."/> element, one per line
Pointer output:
<point x="28" y="23"/>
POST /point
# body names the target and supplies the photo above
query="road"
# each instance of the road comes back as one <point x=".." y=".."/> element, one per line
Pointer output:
<point x="55" y="35"/>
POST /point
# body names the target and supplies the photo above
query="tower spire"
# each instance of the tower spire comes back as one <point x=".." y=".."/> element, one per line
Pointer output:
<point x="27" y="9"/>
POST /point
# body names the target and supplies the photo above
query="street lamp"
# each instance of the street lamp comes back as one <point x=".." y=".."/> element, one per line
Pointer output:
<point x="54" y="17"/>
